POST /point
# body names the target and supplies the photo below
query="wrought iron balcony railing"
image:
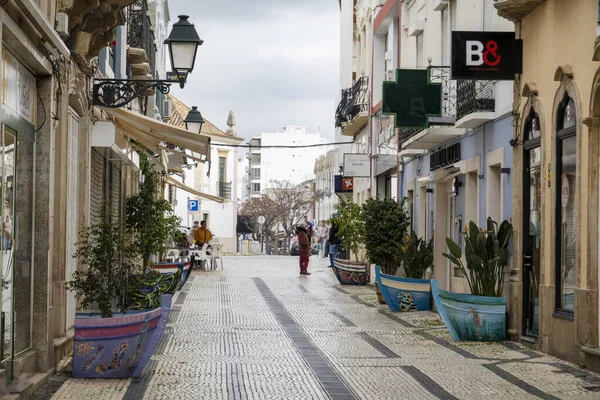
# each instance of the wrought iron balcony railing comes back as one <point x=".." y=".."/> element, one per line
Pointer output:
<point x="354" y="101"/>
<point x="224" y="190"/>
<point x="139" y="32"/>
<point x="474" y="96"/>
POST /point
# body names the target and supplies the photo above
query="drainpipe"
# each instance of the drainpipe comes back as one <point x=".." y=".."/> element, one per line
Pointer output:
<point x="370" y="120"/>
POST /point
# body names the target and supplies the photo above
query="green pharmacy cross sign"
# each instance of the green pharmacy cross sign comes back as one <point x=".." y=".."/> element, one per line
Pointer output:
<point x="412" y="98"/>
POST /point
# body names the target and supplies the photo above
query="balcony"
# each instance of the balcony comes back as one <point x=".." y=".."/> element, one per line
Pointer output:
<point x="475" y="103"/>
<point x="352" y="113"/>
<point x="224" y="190"/>
<point x="515" y="10"/>
<point x="441" y="128"/>
<point x="141" y="55"/>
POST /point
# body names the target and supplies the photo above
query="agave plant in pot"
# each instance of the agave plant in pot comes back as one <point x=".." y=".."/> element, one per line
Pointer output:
<point x="409" y="292"/>
<point x="481" y="315"/>
<point x="351" y="230"/>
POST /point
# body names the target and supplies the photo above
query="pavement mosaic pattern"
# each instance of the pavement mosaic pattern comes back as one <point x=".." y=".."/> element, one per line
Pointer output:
<point x="258" y="330"/>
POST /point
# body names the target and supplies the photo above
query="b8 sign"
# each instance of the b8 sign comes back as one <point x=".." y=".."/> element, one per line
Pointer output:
<point x="485" y="55"/>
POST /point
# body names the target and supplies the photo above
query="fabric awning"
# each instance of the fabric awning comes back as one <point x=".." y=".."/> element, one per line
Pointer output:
<point x="193" y="191"/>
<point x="151" y="132"/>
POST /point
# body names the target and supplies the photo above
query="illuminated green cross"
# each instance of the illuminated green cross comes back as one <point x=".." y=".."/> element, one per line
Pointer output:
<point x="412" y="98"/>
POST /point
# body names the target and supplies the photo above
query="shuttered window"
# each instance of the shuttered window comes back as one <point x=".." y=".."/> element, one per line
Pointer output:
<point x="105" y="186"/>
<point x="420" y="51"/>
<point x="445" y="36"/>
<point x="453" y="14"/>
<point x="488" y="15"/>
<point x="96" y="183"/>
<point x="115" y="191"/>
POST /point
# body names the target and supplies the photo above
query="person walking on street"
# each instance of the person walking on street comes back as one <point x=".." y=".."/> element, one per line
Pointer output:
<point x="304" y="249"/>
<point x="334" y="242"/>
<point x="323" y="232"/>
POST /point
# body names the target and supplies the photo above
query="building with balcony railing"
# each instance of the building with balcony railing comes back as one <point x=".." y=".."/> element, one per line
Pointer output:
<point x="456" y="169"/>
<point x="352" y="113"/>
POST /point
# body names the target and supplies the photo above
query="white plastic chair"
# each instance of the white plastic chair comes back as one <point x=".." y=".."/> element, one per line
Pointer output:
<point x="200" y="255"/>
<point x="216" y="254"/>
<point x="172" y="255"/>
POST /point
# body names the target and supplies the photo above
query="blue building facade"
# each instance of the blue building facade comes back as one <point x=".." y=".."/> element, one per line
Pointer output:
<point x="466" y="178"/>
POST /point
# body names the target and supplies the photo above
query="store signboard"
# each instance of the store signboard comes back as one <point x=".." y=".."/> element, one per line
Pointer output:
<point x="486" y="55"/>
<point x="357" y="165"/>
<point x="384" y="163"/>
<point x="19" y="88"/>
<point x="344" y="184"/>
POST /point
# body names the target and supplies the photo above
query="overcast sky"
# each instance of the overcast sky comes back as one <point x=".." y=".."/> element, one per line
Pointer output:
<point x="266" y="60"/>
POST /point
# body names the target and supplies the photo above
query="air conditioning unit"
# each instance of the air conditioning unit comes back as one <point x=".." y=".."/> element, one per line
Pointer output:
<point x="62" y="24"/>
<point x="167" y="110"/>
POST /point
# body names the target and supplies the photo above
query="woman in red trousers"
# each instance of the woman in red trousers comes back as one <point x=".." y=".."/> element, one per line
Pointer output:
<point x="303" y="249"/>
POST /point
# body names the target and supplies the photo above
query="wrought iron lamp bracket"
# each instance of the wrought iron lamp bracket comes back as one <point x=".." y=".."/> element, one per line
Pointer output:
<point x="115" y="93"/>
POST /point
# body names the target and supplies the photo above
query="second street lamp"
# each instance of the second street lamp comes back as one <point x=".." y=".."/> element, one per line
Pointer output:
<point x="183" y="43"/>
<point x="193" y="121"/>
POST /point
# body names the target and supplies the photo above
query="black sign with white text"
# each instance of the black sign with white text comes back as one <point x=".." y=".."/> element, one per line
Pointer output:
<point x="486" y="55"/>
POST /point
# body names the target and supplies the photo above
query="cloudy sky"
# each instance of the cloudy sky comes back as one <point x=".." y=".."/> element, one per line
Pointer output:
<point x="267" y="60"/>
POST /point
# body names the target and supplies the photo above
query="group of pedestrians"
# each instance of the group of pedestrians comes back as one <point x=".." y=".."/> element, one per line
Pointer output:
<point x="325" y="234"/>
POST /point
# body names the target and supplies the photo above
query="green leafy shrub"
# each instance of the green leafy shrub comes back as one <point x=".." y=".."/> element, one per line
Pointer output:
<point x="106" y="264"/>
<point x="150" y="220"/>
<point x="351" y="226"/>
<point x="386" y="224"/>
<point x="486" y="254"/>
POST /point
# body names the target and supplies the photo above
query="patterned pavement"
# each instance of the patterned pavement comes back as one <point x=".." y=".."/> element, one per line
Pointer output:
<point x="258" y="330"/>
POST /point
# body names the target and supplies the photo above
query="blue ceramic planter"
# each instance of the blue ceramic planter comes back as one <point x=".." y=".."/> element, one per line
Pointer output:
<point x="469" y="317"/>
<point x="117" y="347"/>
<point x="404" y="294"/>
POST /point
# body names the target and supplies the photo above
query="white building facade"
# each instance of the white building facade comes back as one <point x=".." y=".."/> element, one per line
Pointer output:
<point x="217" y="177"/>
<point x="268" y="165"/>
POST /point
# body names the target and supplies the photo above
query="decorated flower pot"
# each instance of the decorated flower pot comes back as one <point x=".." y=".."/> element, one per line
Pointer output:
<point x="117" y="347"/>
<point x="404" y="294"/>
<point x="350" y="272"/>
<point x="148" y="291"/>
<point x="469" y="317"/>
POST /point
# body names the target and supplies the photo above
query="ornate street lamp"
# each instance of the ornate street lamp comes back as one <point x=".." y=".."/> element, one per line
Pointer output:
<point x="183" y="43"/>
<point x="194" y="120"/>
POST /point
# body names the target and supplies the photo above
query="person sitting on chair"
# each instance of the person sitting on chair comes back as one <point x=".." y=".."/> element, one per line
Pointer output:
<point x="202" y="235"/>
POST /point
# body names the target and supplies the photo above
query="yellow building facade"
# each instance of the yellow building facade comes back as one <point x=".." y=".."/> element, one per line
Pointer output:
<point x="554" y="279"/>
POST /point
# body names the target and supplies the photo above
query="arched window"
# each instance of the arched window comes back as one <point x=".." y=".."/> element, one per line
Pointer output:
<point x="566" y="205"/>
<point x="532" y="187"/>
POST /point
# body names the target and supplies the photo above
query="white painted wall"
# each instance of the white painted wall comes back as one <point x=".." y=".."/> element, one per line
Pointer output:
<point x="288" y="164"/>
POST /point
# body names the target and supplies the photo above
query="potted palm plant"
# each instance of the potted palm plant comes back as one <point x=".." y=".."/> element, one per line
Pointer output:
<point x="409" y="292"/>
<point x="351" y="227"/>
<point x="480" y="315"/>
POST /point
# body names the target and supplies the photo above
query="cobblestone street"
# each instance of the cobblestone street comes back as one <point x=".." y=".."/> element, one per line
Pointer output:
<point x="258" y="330"/>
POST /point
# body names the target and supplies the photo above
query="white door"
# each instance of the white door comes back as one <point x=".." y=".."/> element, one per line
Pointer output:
<point x="72" y="231"/>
